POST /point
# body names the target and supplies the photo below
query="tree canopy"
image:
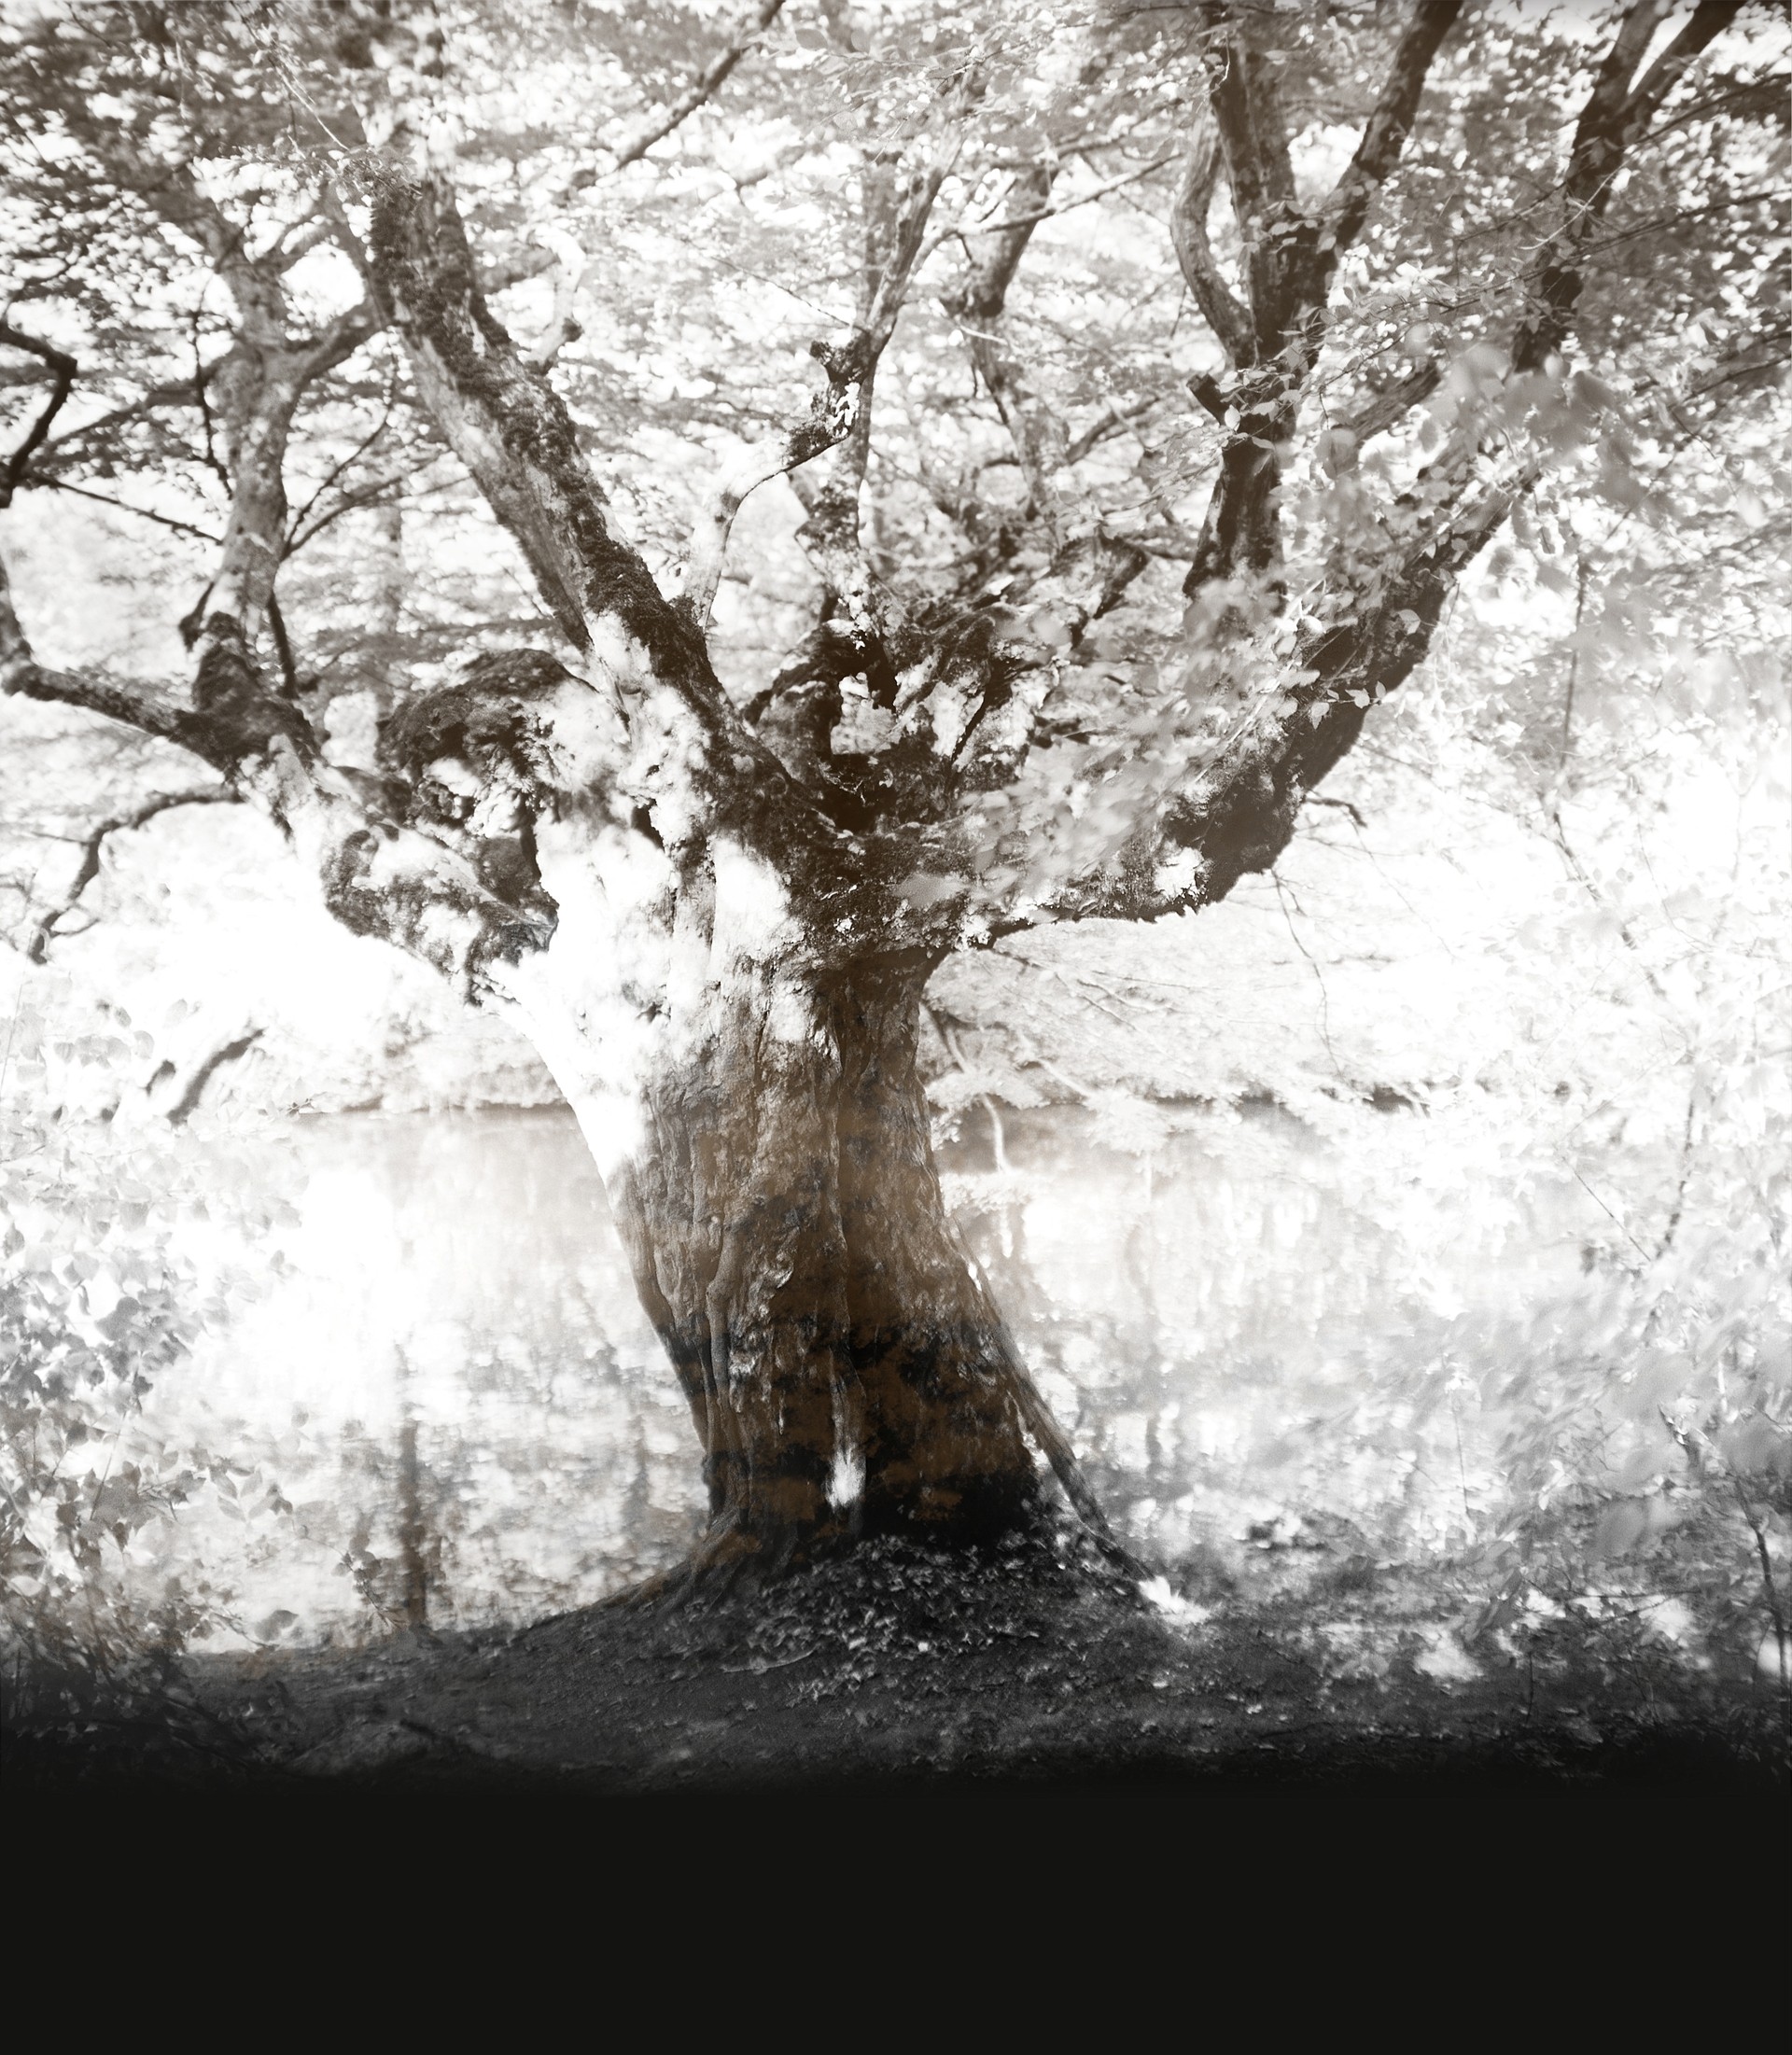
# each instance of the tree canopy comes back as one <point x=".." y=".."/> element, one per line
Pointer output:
<point x="1182" y="358"/>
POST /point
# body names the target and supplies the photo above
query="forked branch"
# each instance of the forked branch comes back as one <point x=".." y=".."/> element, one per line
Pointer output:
<point x="832" y="414"/>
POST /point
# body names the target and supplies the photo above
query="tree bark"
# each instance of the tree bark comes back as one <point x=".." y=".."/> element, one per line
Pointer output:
<point x="845" y="1372"/>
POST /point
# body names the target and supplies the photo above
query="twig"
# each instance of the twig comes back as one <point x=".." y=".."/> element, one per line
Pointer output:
<point x="1775" y="1612"/>
<point x="124" y="505"/>
<point x="336" y="471"/>
<point x="1345" y="806"/>
<point x="958" y="230"/>
<point x="1282" y="898"/>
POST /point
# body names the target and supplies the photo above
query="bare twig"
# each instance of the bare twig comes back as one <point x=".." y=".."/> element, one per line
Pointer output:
<point x="1324" y="799"/>
<point x="124" y="505"/>
<point x="1112" y="419"/>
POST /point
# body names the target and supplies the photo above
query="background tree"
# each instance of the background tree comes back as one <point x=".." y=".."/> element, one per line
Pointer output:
<point x="1046" y="643"/>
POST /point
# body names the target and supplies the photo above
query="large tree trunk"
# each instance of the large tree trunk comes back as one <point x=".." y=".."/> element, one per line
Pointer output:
<point x="845" y="1372"/>
<point x="755" y="1106"/>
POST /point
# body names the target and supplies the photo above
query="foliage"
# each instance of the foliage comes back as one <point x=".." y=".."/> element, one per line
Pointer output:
<point x="100" y="1297"/>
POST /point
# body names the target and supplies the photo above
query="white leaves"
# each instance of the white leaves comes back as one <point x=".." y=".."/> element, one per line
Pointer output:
<point x="953" y="1090"/>
<point x="1123" y="1121"/>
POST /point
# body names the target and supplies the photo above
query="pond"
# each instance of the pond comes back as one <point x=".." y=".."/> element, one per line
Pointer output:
<point x="446" y="1405"/>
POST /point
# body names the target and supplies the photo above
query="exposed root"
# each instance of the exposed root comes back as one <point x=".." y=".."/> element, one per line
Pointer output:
<point x="713" y="1570"/>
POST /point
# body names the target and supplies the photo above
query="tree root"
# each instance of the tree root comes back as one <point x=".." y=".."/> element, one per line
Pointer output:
<point x="712" y="1570"/>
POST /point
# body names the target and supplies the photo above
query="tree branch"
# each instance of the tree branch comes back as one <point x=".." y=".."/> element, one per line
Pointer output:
<point x="1220" y="307"/>
<point x="20" y="673"/>
<point x="1254" y="143"/>
<point x="105" y="499"/>
<point x="832" y="414"/>
<point x="508" y="425"/>
<point x="899" y="200"/>
<point x="65" y="368"/>
<point x="44" y="933"/>
<point x="978" y="305"/>
<point x="561" y="329"/>
<point x="1614" y="117"/>
<point x="1382" y="410"/>
<point x="183" y="1109"/>
<point x="1290" y="257"/>
<point x="1385" y="137"/>
<point x="703" y="88"/>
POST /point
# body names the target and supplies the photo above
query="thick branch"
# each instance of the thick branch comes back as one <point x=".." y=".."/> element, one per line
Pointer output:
<point x="900" y="192"/>
<point x="20" y="673"/>
<point x="506" y="423"/>
<point x="1254" y="143"/>
<point x="1290" y="260"/>
<point x="1382" y="410"/>
<point x="1234" y="813"/>
<point x="1614" y="118"/>
<point x="1388" y="126"/>
<point x="978" y="305"/>
<point x="1220" y="308"/>
<point x="231" y="1052"/>
<point x="831" y="416"/>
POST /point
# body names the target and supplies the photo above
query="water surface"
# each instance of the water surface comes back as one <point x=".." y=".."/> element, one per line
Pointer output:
<point x="1256" y="1345"/>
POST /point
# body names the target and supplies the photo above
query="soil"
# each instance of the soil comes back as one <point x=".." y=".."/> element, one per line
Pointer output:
<point x="1031" y="1668"/>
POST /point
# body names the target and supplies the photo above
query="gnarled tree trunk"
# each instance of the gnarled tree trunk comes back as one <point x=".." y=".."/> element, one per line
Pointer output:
<point x="844" y="1369"/>
<point x="763" y="1131"/>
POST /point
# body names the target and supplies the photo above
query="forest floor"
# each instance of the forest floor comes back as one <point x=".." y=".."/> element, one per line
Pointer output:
<point x="898" y="1669"/>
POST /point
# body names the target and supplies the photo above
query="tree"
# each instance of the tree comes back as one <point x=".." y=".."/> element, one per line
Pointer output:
<point x="1017" y="688"/>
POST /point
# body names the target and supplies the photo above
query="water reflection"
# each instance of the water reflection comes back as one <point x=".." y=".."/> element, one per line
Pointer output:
<point x="454" y="1389"/>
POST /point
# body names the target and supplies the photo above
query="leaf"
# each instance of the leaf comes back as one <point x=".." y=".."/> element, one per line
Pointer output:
<point x="1621" y="1526"/>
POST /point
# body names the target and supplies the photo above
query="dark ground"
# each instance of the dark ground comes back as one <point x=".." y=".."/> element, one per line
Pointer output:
<point x="899" y="1672"/>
